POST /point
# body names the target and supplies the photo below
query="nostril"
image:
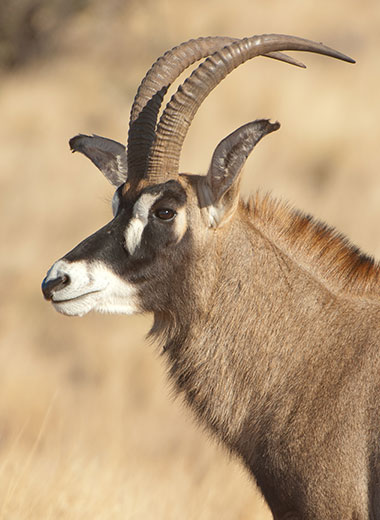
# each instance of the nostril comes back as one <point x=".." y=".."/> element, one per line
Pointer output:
<point x="65" y="279"/>
<point x="50" y="286"/>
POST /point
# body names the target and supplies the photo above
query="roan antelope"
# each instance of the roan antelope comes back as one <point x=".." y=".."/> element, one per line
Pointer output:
<point x="269" y="320"/>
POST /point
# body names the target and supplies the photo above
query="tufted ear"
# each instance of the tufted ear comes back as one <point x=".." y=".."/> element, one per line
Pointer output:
<point x="218" y="191"/>
<point x="108" y="155"/>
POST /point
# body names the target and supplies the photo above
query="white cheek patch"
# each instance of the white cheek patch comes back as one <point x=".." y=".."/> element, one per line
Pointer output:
<point x="139" y="220"/>
<point x="93" y="286"/>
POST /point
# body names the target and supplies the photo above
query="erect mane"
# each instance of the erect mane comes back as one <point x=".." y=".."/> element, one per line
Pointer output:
<point x="313" y="244"/>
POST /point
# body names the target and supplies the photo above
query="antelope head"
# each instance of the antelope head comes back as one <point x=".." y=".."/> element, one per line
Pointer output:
<point x="163" y="220"/>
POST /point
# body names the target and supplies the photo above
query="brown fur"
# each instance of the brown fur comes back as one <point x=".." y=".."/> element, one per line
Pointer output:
<point x="314" y="244"/>
<point x="277" y="351"/>
<point x="269" y="320"/>
<point x="270" y="323"/>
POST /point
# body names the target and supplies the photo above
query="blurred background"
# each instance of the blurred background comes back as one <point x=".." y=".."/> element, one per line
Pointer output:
<point x="89" y="428"/>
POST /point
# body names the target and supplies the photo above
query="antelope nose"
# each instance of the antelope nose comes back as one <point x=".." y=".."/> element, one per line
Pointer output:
<point x="49" y="286"/>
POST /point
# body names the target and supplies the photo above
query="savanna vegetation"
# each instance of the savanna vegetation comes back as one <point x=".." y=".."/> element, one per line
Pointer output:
<point x="88" y="425"/>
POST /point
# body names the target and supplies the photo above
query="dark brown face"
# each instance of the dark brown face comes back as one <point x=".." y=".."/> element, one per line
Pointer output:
<point x="124" y="264"/>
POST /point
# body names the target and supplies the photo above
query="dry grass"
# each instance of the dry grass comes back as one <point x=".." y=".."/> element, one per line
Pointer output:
<point x="87" y="426"/>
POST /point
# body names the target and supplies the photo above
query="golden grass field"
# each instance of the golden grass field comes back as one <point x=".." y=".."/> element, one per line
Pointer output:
<point x="89" y="428"/>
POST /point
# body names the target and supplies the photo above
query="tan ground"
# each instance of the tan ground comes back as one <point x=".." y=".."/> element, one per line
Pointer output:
<point x="88" y="426"/>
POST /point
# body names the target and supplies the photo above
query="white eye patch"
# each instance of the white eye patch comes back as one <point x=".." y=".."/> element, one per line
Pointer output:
<point x="139" y="220"/>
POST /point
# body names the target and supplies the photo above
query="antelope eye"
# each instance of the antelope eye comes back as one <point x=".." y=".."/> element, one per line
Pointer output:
<point x="165" y="213"/>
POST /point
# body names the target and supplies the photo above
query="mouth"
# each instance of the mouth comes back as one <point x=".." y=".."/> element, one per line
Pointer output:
<point x="74" y="299"/>
<point x="77" y="305"/>
<point x="76" y="288"/>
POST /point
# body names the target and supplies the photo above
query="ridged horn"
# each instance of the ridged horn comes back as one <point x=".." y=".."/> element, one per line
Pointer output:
<point x="179" y="112"/>
<point x="150" y="94"/>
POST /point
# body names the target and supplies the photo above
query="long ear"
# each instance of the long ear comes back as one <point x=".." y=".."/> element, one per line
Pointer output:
<point x="107" y="155"/>
<point x="218" y="191"/>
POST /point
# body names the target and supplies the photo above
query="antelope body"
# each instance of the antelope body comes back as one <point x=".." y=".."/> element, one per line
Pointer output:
<point x="269" y="320"/>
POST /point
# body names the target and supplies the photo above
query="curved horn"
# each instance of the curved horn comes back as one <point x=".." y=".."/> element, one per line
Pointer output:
<point x="171" y="64"/>
<point x="148" y="100"/>
<point x="179" y="112"/>
<point x="154" y="86"/>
